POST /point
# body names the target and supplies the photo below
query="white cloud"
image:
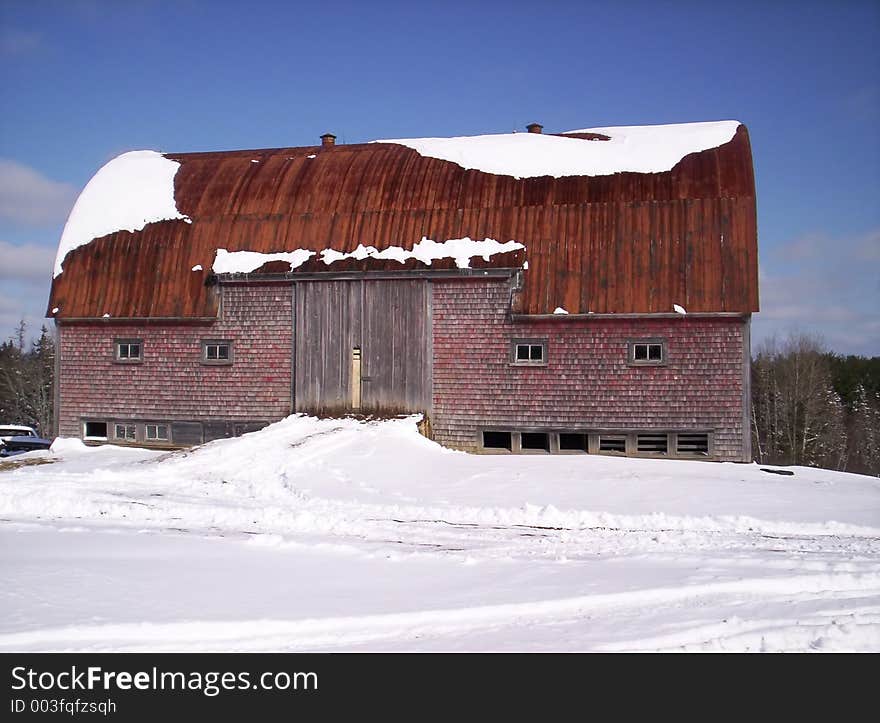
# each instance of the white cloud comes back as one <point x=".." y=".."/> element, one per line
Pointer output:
<point x="25" y="280"/>
<point x="22" y="300"/>
<point x="30" y="198"/>
<point x="26" y="262"/>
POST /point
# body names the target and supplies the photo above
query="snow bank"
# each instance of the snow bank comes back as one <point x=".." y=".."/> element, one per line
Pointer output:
<point x="350" y="477"/>
<point x="425" y="251"/>
<point x="129" y="192"/>
<point x="637" y="149"/>
<point x="512" y="552"/>
<point x="68" y="445"/>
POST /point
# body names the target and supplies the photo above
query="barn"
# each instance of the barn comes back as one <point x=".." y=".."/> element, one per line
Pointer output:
<point x="587" y="292"/>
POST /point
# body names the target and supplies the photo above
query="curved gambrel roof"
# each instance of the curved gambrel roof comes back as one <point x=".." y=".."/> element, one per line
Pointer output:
<point x="626" y="242"/>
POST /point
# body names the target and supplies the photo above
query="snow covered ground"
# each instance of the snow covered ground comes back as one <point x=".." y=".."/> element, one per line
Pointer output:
<point x="345" y="535"/>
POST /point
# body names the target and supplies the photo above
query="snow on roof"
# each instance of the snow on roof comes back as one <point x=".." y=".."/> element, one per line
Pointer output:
<point x="426" y="251"/>
<point x="636" y="149"/>
<point x="126" y="194"/>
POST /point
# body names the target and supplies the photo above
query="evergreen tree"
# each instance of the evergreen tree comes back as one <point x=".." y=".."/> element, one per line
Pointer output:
<point x="27" y="381"/>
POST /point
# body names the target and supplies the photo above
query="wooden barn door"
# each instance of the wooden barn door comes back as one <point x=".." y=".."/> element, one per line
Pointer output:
<point x="362" y="346"/>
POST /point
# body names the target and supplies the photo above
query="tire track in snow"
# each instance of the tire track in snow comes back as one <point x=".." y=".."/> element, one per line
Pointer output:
<point x="317" y="633"/>
<point x="835" y="630"/>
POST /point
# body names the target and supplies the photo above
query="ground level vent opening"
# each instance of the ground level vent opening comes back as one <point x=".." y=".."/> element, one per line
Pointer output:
<point x="497" y="440"/>
<point x="681" y="444"/>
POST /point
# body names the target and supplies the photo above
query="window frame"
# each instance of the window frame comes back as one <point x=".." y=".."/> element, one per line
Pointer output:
<point x="157" y="438"/>
<point x="126" y="425"/>
<point x="531" y="342"/>
<point x="625" y="441"/>
<point x="118" y="343"/>
<point x="217" y="342"/>
<point x="631" y="345"/>
<point x="93" y="438"/>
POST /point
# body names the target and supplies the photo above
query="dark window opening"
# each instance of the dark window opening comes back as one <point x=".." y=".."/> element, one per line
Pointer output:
<point x="612" y="443"/>
<point x="652" y="443"/>
<point x="647" y="352"/>
<point x="529" y="351"/>
<point x="535" y="440"/>
<point x="95" y="430"/>
<point x="497" y="440"/>
<point x="692" y="444"/>
<point x="572" y="442"/>
<point x="129" y="350"/>
<point x="217" y="352"/>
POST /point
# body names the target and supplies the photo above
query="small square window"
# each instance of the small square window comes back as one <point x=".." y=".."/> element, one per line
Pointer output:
<point x="129" y="350"/>
<point x="534" y="441"/>
<point x="125" y="432"/>
<point x="216" y="352"/>
<point x="95" y="430"/>
<point x="532" y="352"/>
<point x="156" y="432"/>
<point x="572" y="441"/>
<point x="497" y="440"/>
<point x="648" y="352"/>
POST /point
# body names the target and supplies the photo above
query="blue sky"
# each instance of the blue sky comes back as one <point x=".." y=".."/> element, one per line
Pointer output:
<point x="82" y="81"/>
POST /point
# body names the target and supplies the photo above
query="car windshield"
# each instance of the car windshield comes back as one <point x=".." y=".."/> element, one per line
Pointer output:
<point x="17" y="432"/>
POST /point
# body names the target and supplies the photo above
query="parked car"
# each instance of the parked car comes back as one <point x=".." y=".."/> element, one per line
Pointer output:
<point x="8" y="431"/>
<point x="17" y="439"/>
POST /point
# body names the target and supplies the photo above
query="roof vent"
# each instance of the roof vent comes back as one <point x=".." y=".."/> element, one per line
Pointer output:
<point x="535" y="128"/>
<point x="327" y="140"/>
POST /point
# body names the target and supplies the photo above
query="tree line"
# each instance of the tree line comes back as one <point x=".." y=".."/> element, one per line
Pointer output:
<point x="816" y="408"/>
<point x="809" y="406"/>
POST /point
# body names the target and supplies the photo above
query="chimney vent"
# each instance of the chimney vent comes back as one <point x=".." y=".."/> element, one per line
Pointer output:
<point x="327" y="140"/>
<point x="535" y="128"/>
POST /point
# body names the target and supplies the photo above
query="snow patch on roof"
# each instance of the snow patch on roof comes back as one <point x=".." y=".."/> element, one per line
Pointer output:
<point x="636" y="149"/>
<point x="425" y="251"/>
<point x="126" y="194"/>
<point x="243" y="262"/>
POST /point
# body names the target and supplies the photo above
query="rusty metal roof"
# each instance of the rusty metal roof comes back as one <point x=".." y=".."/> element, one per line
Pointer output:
<point x="621" y="243"/>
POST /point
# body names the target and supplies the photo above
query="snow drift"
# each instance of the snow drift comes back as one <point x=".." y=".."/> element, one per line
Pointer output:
<point x="635" y="149"/>
<point x="126" y="194"/>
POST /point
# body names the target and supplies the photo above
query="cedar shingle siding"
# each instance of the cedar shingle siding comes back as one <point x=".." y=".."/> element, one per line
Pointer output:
<point x="171" y="383"/>
<point x="587" y="383"/>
